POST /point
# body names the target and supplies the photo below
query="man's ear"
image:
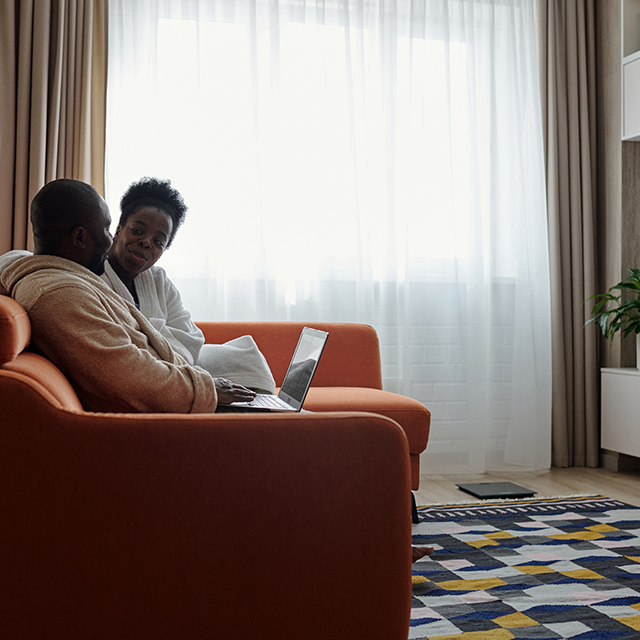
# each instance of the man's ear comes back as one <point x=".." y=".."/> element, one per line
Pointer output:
<point x="79" y="237"/>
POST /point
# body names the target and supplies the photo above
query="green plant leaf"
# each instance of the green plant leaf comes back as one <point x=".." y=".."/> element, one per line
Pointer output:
<point x="611" y="314"/>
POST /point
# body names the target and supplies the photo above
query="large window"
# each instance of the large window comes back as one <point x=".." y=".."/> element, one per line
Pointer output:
<point x="374" y="161"/>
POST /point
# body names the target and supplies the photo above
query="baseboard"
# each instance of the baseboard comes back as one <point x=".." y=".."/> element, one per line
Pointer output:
<point x="615" y="461"/>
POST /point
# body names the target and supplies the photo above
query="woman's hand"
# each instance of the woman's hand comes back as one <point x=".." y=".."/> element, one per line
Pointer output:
<point x="231" y="392"/>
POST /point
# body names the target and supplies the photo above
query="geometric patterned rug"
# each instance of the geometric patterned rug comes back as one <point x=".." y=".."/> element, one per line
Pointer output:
<point x="533" y="568"/>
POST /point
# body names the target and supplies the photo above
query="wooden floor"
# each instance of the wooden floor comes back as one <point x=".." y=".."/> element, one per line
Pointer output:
<point x="623" y="486"/>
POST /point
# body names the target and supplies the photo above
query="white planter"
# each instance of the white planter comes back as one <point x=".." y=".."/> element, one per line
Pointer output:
<point x="637" y="350"/>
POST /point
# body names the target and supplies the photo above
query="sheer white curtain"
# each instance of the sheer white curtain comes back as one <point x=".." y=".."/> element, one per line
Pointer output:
<point x="372" y="161"/>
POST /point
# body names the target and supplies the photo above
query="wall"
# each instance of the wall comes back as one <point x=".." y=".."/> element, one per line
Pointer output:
<point x="618" y="165"/>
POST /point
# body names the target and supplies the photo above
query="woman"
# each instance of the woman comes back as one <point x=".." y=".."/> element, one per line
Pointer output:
<point x="151" y="213"/>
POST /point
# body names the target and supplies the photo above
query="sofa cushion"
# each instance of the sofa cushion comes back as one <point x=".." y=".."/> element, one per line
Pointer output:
<point x="410" y="414"/>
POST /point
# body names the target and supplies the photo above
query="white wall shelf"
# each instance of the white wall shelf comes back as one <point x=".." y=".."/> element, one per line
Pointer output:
<point x="620" y="411"/>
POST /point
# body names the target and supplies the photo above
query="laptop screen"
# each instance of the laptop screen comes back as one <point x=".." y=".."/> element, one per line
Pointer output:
<point x="303" y="365"/>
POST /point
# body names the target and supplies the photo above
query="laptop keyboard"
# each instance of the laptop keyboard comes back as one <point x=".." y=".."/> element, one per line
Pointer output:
<point x="268" y="402"/>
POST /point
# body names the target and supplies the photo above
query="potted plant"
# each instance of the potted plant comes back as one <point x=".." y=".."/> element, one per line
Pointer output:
<point x="611" y="314"/>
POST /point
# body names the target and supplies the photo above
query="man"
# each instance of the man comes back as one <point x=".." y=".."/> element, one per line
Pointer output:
<point x="110" y="352"/>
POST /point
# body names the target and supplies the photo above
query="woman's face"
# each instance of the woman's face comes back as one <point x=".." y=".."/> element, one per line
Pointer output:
<point x="139" y="243"/>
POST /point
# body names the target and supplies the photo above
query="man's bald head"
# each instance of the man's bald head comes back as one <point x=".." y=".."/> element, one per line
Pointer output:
<point x="70" y="219"/>
<point x="60" y="206"/>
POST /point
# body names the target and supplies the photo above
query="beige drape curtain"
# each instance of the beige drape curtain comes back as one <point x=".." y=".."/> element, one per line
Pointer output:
<point x="568" y="65"/>
<point x="52" y="102"/>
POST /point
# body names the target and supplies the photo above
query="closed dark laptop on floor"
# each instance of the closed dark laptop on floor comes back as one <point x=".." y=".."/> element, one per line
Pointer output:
<point x="487" y="490"/>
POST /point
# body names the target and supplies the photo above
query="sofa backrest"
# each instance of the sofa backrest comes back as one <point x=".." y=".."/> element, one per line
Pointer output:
<point x="27" y="368"/>
<point x="351" y="357"/>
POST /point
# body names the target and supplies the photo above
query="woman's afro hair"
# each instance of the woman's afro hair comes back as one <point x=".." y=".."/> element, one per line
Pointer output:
<point x="152" y="192"/>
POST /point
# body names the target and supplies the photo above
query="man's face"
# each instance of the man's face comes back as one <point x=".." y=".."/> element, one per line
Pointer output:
<point x="101" y="239"/>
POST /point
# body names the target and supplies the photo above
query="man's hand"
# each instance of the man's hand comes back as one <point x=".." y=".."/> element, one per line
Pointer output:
<point x="231" y="392"/>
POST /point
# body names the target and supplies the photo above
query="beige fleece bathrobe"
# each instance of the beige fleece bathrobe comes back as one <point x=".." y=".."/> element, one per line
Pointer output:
<point x="112" y="355"/>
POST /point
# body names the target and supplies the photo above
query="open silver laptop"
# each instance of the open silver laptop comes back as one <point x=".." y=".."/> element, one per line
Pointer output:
<point x="296" y="383"/>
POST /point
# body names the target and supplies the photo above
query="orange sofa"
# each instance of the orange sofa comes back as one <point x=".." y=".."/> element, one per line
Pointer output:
<point x="196" y="526"/>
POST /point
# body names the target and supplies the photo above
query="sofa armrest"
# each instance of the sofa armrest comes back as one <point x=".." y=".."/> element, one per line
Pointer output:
<point x="351" y="356"/>
<point x="225" y="526"/>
